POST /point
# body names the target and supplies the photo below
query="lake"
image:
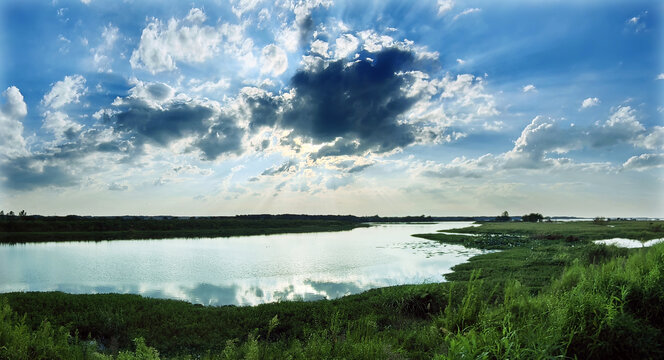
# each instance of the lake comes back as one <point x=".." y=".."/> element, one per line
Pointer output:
<point x="245" y="270"/>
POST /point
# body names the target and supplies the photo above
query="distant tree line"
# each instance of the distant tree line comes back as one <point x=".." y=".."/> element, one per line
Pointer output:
<point x="532" y="217"/>
<point x="21" y="213"/>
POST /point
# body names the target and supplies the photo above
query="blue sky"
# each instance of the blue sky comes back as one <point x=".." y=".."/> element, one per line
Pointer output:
<point x="319" y="106"/>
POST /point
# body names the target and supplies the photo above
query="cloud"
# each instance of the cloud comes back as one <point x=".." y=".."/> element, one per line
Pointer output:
<point x="287" y="167"/>
<point x="345" y="45"/>
<point x="186" y="40"/>
<point x="163" y="125"/>
<point x="273" y="60"/>
<point x="466" y="12"/>
<point x="637" y="23"/>
<point x="660" y="77"/>
<point x="320" y="47"/>
<point x="644" y="162"/>
<point x="196" y="16"/>
<point x="622" y="126"/>
<point x="243" y="6"/>
<point x="12" y="111"/>
<point x="117" y="187"/>
<point x="303" y="19"/>
<point x="154" y="114"/>
<point x="224" y="137"/>
<point x="444" y="6"/>
<point x="336" y="182"/>
<point x="376" y="104"/>
<point x="60" y="125"/>
<point x="210" y="86"/>
<point x="259" y="107"/>
<point x="359" y="102"/>
<point x="590" y="102"/>
<point x="461" y="167"/>
<point x="529" y="88"/>
<point x="654" y="140"/>
<point x="101" y="54"/>
<point x="545" y="136"/>
<point x="374" y="42"/>
<point x="26" y="173"/>
<point x="65" y="92"/>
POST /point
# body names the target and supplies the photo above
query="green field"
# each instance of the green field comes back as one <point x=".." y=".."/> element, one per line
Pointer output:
<point x="548" y="292"/>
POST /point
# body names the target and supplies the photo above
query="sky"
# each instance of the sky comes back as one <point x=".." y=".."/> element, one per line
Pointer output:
<point x="437" y="107"/>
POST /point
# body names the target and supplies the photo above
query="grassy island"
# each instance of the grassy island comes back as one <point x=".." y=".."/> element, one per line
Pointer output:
<point x="546" y="292"/>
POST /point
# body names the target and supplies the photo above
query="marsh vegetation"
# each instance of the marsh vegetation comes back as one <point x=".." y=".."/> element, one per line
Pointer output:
<point x="548" y="292"/>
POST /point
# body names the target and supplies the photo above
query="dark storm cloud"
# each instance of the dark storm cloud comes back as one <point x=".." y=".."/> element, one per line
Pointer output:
<point x="163" y="126"/>
<point x="339" y="148"/>
<point x="361" y="101"/>
<point x="216" y="134"/>
<point x="306" y="29"/>
<point x="24" y="174"/>
<point x="263" y="110"/>
<point x="224" y="137"/>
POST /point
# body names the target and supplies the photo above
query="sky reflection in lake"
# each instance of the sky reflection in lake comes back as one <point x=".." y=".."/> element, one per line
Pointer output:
<point x="238" y="270"/>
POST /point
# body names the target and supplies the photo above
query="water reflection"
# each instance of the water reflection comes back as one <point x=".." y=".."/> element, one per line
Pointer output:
<point x="629" y="243"/>
<point x="236" y="271"/>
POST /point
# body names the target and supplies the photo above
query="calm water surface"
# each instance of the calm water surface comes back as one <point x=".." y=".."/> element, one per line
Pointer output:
<point x="245" y="270"/>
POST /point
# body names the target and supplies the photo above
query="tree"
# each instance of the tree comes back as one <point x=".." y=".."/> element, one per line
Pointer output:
<point x="2" y="213"/>
<point x="532" y="217"/>
<point x="505" y="216"/>
<point x="22" y="213"/>
<point x="11" y="213"/>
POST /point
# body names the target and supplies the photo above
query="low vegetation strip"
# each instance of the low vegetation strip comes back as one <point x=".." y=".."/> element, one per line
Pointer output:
<point x="573" y="230"/>
<point x="542" y="298"/>
<point x="41" y="229"/>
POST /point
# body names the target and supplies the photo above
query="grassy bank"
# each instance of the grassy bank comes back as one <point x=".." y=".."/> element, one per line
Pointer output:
<point x="40" y="229"/>
<point x="536" y="253"/>
<point x="542" y="297"/>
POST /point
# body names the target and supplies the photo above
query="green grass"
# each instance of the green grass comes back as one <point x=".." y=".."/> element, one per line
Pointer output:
<point x="545" y="297"/>
<point x="35" y="229"/>
<point x="581" y="230"/>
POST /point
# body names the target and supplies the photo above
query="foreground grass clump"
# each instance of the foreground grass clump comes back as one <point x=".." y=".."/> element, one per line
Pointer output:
<point x="18" y="341"/>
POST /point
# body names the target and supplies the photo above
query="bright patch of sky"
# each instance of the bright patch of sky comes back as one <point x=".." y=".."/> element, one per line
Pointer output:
<point x="325" y="106"/>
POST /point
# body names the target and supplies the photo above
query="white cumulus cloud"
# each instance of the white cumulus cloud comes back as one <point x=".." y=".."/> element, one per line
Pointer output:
<point x="59" y="124"/>
<point x="320" y="47"/>
<point x="69" y="90"/>
<point x="444" y="6"/>
<point x="644" y="162"/>
<point x="345" y="45"/>
<point x="529" y="88"/>
<point x="654" y="140"/>
<point x="273" y="60"/>
<point x="12" y="112"/>
<point x="186" y="40"/>
<point x="590" y="102"/>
